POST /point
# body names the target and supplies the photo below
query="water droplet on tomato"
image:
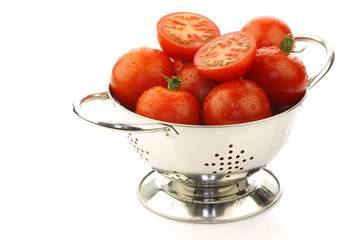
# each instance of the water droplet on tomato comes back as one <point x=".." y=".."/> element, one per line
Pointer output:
<point x="178" y="117"/>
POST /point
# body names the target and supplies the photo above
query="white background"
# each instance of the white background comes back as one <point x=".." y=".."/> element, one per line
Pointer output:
<point x="61" y="178"/>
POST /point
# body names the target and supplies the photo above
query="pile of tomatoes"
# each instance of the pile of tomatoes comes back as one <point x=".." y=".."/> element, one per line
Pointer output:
<point x="203" y="77"/>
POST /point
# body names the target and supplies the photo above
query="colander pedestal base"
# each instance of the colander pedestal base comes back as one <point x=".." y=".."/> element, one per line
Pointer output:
<point x="215" y="204"/>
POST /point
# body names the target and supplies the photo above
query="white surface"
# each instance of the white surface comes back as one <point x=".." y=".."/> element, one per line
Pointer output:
<point x="61" y="178"/>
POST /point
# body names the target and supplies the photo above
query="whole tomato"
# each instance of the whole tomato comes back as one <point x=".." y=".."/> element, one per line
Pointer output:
<point x="267" y="30"/>
<point x="194" y="82"/>
<point x="235" y="101"/>
<point x="170" y="104"/>
<point x="137" y="71"/>
<point x="283" y="77"/>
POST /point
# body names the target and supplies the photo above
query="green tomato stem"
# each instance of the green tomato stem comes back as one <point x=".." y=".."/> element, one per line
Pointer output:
<point x="173" y="82"/>
<point x="286" y="45"/>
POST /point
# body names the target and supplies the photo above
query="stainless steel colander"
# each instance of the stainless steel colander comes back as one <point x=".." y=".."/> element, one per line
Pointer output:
<point x="204" y="173"/>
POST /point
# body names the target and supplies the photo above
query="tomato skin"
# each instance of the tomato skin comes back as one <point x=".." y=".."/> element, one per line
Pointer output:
<point x="178" y="65"/>
<point x="267" y="30"/>
<point x="166" y="105"/>
<point x="226" y="57"/>
<point x="235" y="101"/>
<point x="137" y="71"/>
<point x="194" y="82"/>
<point x="181" y="34"/>
<point x="283" y="77"/>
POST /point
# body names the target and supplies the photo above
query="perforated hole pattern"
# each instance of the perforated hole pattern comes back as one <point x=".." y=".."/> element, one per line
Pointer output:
<point x="233" y="161"/>
<point x="144" y="154"/>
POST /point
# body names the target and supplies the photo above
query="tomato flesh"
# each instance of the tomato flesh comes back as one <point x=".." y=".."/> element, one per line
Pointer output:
<point x="181" y="34"/>
<point x="226" y="57"/>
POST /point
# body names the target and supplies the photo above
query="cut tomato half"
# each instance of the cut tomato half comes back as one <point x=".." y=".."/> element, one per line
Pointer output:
<point x="181" y="34"/>
<point x="226" y="57"/>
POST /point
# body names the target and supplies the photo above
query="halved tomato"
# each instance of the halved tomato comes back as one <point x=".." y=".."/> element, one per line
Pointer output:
<point x="181" y="34"/>
<point x="226" y="57"/>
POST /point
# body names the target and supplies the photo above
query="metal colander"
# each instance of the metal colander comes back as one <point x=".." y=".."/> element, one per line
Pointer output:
<point x="205" y="173"/>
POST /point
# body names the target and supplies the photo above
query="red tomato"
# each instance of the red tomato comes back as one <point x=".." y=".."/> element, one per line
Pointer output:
<point x="283" y="77"/>
<point x="178" y="65"/>
<point x="169" y="106"/>
<point x="194" y="82"/>
<point x="226" y="57"/>
<point x="181" y="34"/>
<point x="235" y="101"/>
<point x="137" y="71"/>
<point x="268" y="31"/>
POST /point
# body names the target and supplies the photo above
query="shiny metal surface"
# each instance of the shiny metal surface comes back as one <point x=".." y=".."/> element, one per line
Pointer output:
<point x="242" y="199"/>
<point x="330" y="57"/>
<point x="208" y="160"/>
<point x="78" y="107"/>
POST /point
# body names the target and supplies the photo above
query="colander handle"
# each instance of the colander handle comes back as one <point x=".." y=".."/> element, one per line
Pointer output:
<point x="330" y="56"/>
<point x="125" y="127"/>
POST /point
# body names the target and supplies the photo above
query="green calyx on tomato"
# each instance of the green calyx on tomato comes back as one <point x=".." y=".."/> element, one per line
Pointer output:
<point x="286" y="45"/>
<point x="173" y="82"/>
<point x="282" y="77"/>
<point x="210" y="78"/>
